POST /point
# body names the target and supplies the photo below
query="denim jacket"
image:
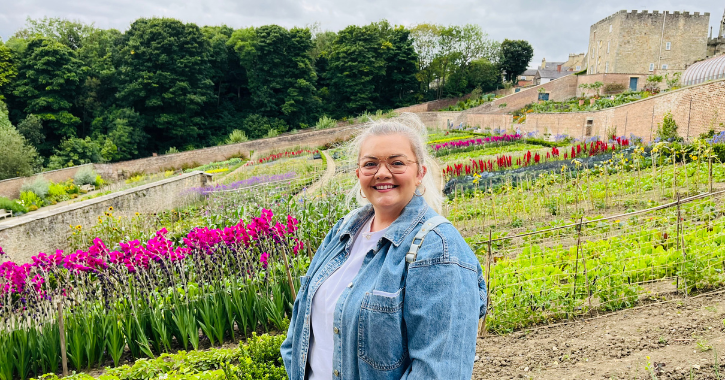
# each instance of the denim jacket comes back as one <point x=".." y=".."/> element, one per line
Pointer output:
<point x="395" y="320"/>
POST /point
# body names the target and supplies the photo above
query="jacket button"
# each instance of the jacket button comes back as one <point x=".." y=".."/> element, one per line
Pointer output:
<point x="336" y="330"/>
<point x="336" y="373"/>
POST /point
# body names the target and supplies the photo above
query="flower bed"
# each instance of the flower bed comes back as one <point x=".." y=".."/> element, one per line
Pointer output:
<point x="470" y="144"/>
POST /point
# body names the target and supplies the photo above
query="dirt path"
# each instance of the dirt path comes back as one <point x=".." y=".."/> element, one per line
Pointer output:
<point x="326" y="177"/>
<point x="679" y="339"/>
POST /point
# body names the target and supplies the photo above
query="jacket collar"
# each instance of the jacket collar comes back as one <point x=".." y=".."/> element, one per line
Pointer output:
<point x="413" y="213"/>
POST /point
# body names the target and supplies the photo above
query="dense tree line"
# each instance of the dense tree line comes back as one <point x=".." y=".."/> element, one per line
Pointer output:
<point x="78" y="94"/>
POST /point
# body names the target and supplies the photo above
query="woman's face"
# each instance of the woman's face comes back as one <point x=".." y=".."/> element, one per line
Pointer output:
<point x="386" y="190"/>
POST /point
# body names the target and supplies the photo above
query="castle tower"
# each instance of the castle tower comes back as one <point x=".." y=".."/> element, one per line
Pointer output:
<point x="722" y="26"/>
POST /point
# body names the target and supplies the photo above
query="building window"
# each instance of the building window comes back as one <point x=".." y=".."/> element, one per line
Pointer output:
<point x="651" y="67"/>
<point x="608" y="43"/>
<point x="610" y="29"/>
<point x="664" y="66"/>
<point x="606" y="67"/>
<point x="578" y="68"/>
<point x="668" y="45"/>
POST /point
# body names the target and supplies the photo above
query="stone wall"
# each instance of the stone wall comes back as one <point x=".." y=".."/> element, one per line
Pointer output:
<point x="48" y="230"/>
<point x="121" y="170"/>
<point x="715" y="46"/>
<point x="10" y="188"/>
<point x="628" y="42"/>
<point x="695" y="109"/>
<point x="434" y="105"/>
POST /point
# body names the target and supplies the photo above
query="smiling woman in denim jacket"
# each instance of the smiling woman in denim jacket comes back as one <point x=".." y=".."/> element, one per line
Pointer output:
<point x="393" y="292"/>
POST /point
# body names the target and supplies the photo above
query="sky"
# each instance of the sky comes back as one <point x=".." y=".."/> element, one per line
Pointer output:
<point x="554" y="28"/>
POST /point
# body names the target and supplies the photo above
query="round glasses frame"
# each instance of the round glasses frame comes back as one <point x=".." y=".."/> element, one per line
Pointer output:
<point x="396" y="164"/>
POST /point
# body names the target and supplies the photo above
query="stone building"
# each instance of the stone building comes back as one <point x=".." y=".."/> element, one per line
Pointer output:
<point x="647" y="42"/>
<point x="716" y="45"/>
<point x="576" y="62"/>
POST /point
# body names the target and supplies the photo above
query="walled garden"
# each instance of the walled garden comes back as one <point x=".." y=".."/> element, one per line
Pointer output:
<point x="563" y="230"/>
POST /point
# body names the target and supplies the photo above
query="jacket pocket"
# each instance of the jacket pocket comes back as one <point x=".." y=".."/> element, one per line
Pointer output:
<point x="382" y="339"/>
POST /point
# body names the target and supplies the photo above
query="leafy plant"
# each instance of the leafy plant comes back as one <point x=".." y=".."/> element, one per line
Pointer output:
<point x="39" y="187"/>
<point x="85" y="176"/>
<point x="325" y="122"/>
<point x="237" y="136"/>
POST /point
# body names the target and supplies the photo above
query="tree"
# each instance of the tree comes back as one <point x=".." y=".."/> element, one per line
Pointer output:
<point x="124" y="128"/>
<point x="8" y="70"/>
<point x="76" y="151"/>
<point x="281" y="77"/>
<point x="163" y="74"/>
<point x="17" y="157"/>
<point x="70" y="33"/>
<point x="48" y="81"/>
<point x="32" y="129"/>
<point x="515" y="57"/>
<point x="397" y="87"/>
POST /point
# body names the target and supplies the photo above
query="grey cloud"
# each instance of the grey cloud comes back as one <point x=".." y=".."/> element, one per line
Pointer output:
<point x="555" y="28"/>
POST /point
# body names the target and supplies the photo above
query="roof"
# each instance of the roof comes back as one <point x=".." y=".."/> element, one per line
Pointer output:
<point x="709" y="69"/>
<point x="529" y="72"/>
<point x="552" y="65"/>
<point x="552" y="73"/>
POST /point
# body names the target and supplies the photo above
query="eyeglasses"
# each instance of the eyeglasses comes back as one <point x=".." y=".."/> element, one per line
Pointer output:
<point x="397" y="164"/>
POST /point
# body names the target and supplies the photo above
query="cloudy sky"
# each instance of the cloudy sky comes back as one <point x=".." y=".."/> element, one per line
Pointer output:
<point x="555" y="28"/>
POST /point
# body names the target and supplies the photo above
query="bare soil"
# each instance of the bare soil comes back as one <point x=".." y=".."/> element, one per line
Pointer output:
<point x="674" y="339"/>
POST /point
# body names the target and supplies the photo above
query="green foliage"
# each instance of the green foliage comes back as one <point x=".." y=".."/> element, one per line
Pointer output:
<point x="515" y="57"/>
<point x="48" y="79"/>
<point x="163" y="74"/>
<point x="17" y="157"/>
<point x="470" y="103"/>
<point x="572" y="105"/>
<point x="667" y="129"/>
<point x="257" y="126"/>
<point x="673" y="82"/>
<point x="32" y="129"/>
<point x="172" y="150"/>
<point x="237" y="136"/>
<point x="40" y="187"/>
<point x="85" y="176"/>
<point x="28" y="199"/>
<point x="17" y="208"/>
<point x="76" y="151"/>
<point x="272" y="133"/>
<point x="326" y="122"/>
<point x="8" y="70"/>
<point x="370" y="67"/>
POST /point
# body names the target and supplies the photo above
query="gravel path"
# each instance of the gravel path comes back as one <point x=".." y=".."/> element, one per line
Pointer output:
<point x="326" y="177"/>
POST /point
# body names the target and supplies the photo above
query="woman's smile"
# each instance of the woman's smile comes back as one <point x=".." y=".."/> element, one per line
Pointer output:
<point x="384" y="187"/>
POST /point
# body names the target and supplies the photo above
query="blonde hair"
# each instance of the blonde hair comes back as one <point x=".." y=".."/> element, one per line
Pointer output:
<point x="410" y="126"/>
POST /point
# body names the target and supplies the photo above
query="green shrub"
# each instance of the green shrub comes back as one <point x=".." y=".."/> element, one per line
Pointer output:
<point x="16" y="207"/>
<point x="85" y="176"/>
<point x="325" y="122"/>
<point x="99" y="181"/>
<point x="237" y="136"/>
<point x="667" y="129"/>
<point x="38" y="187"/>
<point x="57" y="192"/>
<point x="172" y="150"/>
<point x="272" y="133"/>
<point x="28" y="198"/>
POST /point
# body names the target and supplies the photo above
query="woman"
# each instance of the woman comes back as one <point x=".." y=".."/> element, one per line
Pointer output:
<point x="375" y="304"/>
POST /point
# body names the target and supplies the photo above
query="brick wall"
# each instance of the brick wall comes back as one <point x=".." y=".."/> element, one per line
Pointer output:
<point x="622" y="79"/>
<point x="10" y="188"/>
<point x="695" y="109"/>
<point x="47" y="231"/>
<point x="491" y="121"/>
<point x="437" y="120"/>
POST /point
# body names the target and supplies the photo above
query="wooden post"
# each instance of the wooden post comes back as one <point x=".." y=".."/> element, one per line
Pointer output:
<point x="689" y="113"/>
<point x="576" y="263"/>
<point x="678" y="237"/>
<point x="652" y="123"/>
<point x="61" y="329"/>
<point x="710" y="171"/>
<point x="626" y="116"/>
<point x="489" y="258"/>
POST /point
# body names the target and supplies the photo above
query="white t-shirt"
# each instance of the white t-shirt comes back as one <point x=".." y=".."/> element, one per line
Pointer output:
<point x="323" y="303"/>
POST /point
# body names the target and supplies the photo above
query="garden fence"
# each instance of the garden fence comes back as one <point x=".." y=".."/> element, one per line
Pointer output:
<point x="594" y="266"/>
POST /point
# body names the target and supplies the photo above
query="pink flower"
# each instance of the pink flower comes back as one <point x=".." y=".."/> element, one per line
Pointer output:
<point x="264" y="259"/>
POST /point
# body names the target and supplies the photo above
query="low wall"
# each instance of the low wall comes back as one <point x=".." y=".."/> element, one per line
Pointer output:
<point x="10" y="187"/>
<point x="46" y="231"/>
<point x="695" y="109"/>
<point x="491" y="121"/>
<point x="438" y="120"/>
<point x="433" y="105"/>
<point x="121" y="170"/>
